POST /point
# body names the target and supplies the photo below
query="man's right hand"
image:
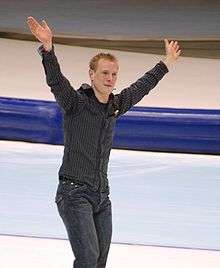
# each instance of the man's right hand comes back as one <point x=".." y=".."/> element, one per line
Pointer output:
<point x="41" y="31"/>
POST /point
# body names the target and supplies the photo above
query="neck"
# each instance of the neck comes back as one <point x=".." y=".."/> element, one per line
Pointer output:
<point x="103" y="98"/>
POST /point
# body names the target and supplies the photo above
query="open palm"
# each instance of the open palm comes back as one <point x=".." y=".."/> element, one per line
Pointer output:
<point x="172" y="50"/>
<point x="41" y="31"/>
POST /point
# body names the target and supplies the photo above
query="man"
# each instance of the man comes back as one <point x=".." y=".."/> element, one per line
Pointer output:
<point x="89" y="119"/>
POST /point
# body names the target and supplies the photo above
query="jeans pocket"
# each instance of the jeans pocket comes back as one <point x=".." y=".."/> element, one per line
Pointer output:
<point x="76" y="188"/>
<point x="68" y="188"/>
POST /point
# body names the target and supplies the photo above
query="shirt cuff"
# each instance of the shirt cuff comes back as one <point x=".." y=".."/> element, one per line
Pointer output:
<point x="164" y="67"/>
<point x="44" y="53"/>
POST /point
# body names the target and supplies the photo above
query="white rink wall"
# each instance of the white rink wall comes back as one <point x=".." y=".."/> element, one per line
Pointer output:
<point x="191" y="83"/>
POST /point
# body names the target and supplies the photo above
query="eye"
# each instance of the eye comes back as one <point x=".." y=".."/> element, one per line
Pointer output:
<point x="105" y="72"/>
<point x="114" y="74"/>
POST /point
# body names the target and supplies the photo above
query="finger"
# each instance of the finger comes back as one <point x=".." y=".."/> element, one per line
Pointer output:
<point x="176" y="48"/>
<point x="166" y="42"/>
<point x="175" y="44"/>
<point x="32" y="23"/>
<point x="32" y="27"/>
<point x="178" y="52"/>
<point x="44" y="24"/>
<point x="30" y="18"/>
<point x="171" y="44"/>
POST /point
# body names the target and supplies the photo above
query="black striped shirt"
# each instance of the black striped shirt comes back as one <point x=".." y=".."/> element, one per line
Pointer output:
<point x="88" y="124"/>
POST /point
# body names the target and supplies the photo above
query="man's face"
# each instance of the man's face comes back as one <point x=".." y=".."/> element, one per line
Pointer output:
<point x="104" y="77"/>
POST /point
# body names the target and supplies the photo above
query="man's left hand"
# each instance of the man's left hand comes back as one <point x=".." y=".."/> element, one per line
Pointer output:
<point x="172" y="52"/>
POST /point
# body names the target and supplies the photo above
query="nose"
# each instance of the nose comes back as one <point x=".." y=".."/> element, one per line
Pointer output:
<point x="110" y="77"/>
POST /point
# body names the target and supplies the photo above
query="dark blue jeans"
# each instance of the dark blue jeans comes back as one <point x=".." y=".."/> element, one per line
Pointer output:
<point x="87" y="217"/>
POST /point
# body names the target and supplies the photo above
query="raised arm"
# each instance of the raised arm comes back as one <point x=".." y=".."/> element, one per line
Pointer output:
<point x="64" y="93"/>
<point x="136" y="91"/>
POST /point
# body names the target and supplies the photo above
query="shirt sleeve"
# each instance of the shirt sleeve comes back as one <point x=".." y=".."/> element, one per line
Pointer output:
<point x="66" y="96"/>
<point x="136" y="91"/>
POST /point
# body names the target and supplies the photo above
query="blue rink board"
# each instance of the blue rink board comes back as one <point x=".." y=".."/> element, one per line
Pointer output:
<point x="164" y="199"/>
<point x="142" y="128"/>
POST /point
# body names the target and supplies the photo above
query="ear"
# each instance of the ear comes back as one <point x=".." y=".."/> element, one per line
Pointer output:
<point x="91" y="74"/>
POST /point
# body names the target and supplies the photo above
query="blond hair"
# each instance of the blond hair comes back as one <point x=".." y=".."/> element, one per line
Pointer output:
<point x="106" y="56"/>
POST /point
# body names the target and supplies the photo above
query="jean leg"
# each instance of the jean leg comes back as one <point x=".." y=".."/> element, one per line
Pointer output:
<point x="103" y="223"/>
<point x="77" y="215"/>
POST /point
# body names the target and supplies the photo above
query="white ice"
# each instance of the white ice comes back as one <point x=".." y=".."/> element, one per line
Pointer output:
<point x="161" y="199"/>
<point x="35" y="252"/>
